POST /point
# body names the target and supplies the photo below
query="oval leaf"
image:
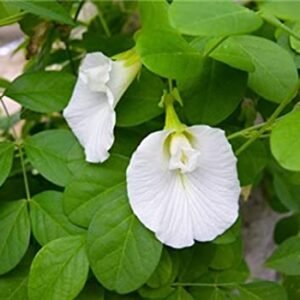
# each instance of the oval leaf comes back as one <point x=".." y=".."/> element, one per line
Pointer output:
<point x="167" y="54"/>
<point x="273" y="81"/>
<point x="211" y="18"/>
<point x="214" y="94"/>
<point x="85" y="193"/>
<point x="64" y="265"/>
<point x="286" y="258"/>
<point x="6" y="159"/>
<point x="285" y="141"/>
<point x="42" y="91"/>
<point x="15" y="233"/>
<point x="47" y="9"/>
<point x="122" y="252"/>
<point x="48" y="219"/>
<point x="48" y="152"/>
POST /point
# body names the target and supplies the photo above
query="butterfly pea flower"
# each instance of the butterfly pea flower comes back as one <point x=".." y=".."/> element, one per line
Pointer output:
<point x="91" y="111"/>
<point x="182" y="182"/>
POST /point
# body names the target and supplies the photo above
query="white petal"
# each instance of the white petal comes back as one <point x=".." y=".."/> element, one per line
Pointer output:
<point x="181" y="208"/>
<point x="95" y="71"/>
<point x="121" y="76"/>
<point x="92" y="119"/>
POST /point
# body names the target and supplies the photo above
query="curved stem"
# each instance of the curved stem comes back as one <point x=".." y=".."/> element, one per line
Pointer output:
<point x="269" y="122"/>
<point x="20" y="150"/>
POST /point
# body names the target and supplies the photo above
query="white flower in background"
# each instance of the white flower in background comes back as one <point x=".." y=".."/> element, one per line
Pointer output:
<point x="91" y="110"/>
<point x="182" y="183"/>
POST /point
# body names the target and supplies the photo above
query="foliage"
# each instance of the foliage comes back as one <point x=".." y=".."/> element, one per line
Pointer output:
<point x="235" y="67"/>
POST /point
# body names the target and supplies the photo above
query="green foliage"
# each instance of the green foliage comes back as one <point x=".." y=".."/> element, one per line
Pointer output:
<point x="205" y="94"/>
<point x="42" y="91"/>
<point x="140" y="103"/>
<point x="204" y="18"/>
<point x="274" y="82"/>
<point x="48" y="152"/>
<point x="122" y="252"/>
<point x="6" y="159"/>
<point x="286" y="258"/>
<point x="64" y="265"/>
<point x="93" y="185"/>
<point x="285" y="143"/>
<point x="48" y="219"/>
<point x="229" y="65"/>
<point x="47" y="9"/>
<point x="15" y="233"/>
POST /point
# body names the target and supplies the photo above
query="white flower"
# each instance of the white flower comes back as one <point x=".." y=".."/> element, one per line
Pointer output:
<point x="183" y="184"/>
<point x="90" y="112"/>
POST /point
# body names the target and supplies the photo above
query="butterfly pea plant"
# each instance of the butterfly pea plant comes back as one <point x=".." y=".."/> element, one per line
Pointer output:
<point x="143" y="130"/>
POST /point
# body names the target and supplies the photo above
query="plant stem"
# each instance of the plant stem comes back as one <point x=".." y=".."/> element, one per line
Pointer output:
<point x="269" y="122"/>
<point x="78" y="10"/>
<point x="104" y="24"/>
<point x="203" y="284"/>
<point x="275" y="22"/>
<point x="244" y="132"/>
<point x="19" y="145"/>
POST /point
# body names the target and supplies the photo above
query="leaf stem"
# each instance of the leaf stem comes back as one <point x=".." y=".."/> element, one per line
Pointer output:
<point x="269" y="122"/>
<point x="245" y="131"/>
<point x="275" y="22"/>
<point x="203" y="284"/>
<point x="104" y="24"/>
<point x="19" y="145"/>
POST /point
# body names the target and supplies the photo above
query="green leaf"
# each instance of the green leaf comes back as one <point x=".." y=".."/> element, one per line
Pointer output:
<point x="13" y="286"/>
<point x="214" y="94"/>
<point x="285" y="141"/>
<point x="208" y="293"/>
<point x="122" y="252"/>
<point x="42" y="91"/>
<point x="48" y="219"/>
<point x="167" y="54"/>
<point x="156" y="294"/>
<point x="48" y="152"/>
<point x="46" y="9"/>
<point x="15" y="233"/>
<point x="295" y="43"/>
<point x="211" y="18"/>
<point x="9" y="14"/>
<point x="194" y="262"/>
<point x="273" y="81"/>
<point x="140" y="102"/>
<point x="163" y="273"/>
<point x="6" y="159"/>
<point x="286" y="228"/>
<point x="291" y="285"/>
<point x="287" y="193"/>
<point x="251" y="162"/>
<point x="227" y="256"/>
<point x="286" y="258"/>
<point x="260" y="291"/>
<point x="286" y="10"/>
<point x="64" y="265"/>
<point x="85" y="193"/>
<point x="180" y="294"/>
<point x="154" y="14"/>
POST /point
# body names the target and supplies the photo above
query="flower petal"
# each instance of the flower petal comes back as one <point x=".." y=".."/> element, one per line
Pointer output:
<point x="92" y="120"/>
<point x="183" y="207"/>
<point x="121" y="76"/>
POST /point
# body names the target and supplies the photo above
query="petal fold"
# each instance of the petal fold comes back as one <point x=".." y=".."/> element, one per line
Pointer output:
<point x="92" y="120"/>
